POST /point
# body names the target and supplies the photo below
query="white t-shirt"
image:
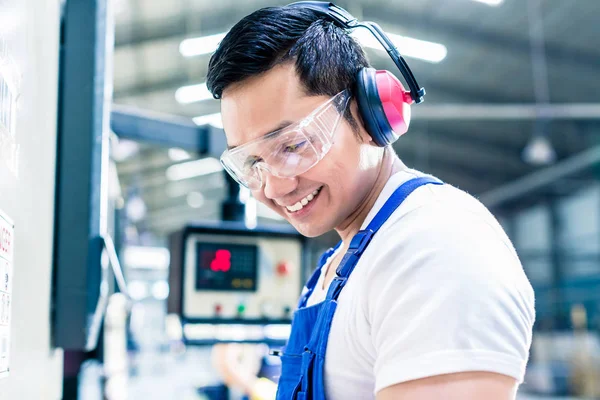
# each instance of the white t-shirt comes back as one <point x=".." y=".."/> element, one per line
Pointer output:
<point x="439" y="290"/>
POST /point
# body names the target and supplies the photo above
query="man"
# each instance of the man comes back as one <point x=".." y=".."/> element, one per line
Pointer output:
<point x="435" y="304"/>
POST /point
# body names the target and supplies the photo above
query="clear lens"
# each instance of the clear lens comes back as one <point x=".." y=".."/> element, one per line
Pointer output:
<point x="289" y="152"/>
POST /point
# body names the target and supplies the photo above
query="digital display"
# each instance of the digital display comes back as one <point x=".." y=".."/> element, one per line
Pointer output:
<point x="226" y="267"/>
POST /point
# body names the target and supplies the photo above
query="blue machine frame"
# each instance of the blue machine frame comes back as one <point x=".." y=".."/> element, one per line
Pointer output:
<point x="80" y="284"/>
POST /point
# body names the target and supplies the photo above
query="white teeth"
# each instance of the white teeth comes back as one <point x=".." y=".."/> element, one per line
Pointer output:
<point x="298" y="206"/>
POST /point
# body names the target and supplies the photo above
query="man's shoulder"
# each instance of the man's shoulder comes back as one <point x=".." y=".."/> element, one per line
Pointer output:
<point x="441" y="218"/>
<point x="446" y="237"/>
<point x="432" y="207"/>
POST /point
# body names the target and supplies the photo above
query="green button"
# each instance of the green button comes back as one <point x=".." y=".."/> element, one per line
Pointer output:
<point x="241" y="309"/>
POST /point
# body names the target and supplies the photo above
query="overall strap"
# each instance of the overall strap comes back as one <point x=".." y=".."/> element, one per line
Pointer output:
<point x="314" y="278"/>
<point x="361" y="240"/>
<point x="397" y="198"/>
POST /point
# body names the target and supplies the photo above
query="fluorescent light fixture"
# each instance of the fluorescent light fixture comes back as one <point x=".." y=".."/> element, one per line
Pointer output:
<point x="176" y="154"/>
<point x="193" y="169"/>
<point x="146" y="257"/>
<point x="492" y="3"/>
<point x="409" y="47"/>
<point x="192" y="93"/>
<point x="201" y="45"/>
<point x="209" y="119"/>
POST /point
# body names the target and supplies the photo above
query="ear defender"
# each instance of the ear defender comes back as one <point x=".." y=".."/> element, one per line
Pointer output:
<point x="384" y="105"/>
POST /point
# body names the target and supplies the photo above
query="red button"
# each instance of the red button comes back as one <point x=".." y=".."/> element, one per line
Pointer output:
<point x="283" y="268"/>
<point x="218" y="309"/>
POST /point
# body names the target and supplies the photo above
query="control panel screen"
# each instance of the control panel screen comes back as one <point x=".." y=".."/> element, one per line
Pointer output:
<point x="226" y="267"/>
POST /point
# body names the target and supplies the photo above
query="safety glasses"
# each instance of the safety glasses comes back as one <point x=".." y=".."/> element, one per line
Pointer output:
<point x="290" y="151"/>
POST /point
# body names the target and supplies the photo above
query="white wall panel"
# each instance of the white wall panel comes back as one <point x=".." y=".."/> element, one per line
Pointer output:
<point x="30" y="31"/>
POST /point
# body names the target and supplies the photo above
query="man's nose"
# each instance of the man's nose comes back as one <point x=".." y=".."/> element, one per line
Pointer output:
<point x="277" y="187"/>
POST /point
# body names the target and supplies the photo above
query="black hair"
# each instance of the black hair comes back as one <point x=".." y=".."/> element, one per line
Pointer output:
<point x="326" y="58"/>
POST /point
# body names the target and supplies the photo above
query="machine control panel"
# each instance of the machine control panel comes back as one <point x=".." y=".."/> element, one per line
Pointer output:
<point x="227" y="274"/>
<point x="226" y="267"/>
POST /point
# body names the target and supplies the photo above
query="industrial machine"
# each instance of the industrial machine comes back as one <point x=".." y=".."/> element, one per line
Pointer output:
<point x="229" y="283"/>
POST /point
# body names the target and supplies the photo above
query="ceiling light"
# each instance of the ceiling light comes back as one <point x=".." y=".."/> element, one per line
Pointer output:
<point x="201" y="45"/>
<point x="209" y="119"/>
<point x="492" y="3"/>
<point x="193" y="169"/>
<point x="539" y="151"/>
<point x="192" y="93"/>
<point x="176" y="154"/>
<point x="146" y="257"/>
<point x="409" y="47"/>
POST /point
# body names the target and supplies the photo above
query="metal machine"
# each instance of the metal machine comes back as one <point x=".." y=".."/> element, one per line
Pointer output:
<point x="231" y="283"/>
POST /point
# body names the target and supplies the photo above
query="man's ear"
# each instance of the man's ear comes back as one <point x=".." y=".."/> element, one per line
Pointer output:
<point x="360" y="128"/>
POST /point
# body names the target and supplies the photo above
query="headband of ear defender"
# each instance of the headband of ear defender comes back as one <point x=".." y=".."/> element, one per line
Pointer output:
<point x="383" y="102"/>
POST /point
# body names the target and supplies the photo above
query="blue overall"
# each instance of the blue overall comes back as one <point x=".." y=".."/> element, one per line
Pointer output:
<point x="303" y="360"/>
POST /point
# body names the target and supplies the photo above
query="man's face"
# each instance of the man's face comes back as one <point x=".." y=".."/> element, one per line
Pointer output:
<point x="341" y="180"/>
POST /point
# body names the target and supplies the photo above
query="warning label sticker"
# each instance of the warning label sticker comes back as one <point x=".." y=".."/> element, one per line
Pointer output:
<point x="7" y="229"/>
<point x="9" y="93"/>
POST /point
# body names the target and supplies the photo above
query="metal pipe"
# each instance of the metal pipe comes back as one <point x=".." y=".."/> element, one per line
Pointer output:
<point x="153" y="127"/>
<point x="539" y="179"/>
<point x="525" y="111"/>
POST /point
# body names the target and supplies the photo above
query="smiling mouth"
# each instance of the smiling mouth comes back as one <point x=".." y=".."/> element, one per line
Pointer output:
<point x="302" y="203"/>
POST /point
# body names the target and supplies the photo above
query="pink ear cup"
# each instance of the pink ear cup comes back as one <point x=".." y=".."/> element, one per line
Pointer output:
<point x="396" y="101"/>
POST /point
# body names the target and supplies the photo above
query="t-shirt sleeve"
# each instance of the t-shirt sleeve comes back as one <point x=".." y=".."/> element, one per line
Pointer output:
<point x="447" y="293"/>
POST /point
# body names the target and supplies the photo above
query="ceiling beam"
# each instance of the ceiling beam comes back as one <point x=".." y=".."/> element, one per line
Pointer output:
<point x="172" y="82"/>
<point x="542" y="179"/>
<point x="143" y="163"/>
<point x="463" y="153"/>
<point x="483" y="177"/>
<point x="472" y="33"/>
<point x="432" y="85"/>
<point x="443" y="147"/>
<point x="138" y="33"/>
<point x="158" y="178"/>
<point x="508" y="112"/>
<point x="178" y="216"/>
<point x="159" y="129"/>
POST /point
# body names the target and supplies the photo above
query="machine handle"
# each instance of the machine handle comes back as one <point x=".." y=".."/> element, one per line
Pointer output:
<point x="115" y="264"/>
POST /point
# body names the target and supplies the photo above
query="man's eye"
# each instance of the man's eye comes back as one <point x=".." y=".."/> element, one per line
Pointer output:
<point x="292" y="148"/>
<point x="251" y="161"/>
